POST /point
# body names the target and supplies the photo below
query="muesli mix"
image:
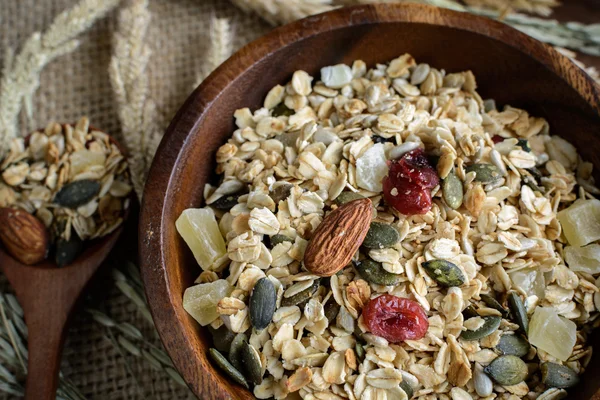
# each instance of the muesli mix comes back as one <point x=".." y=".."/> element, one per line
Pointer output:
<point x="58" y="188"/>
<point x="386" y="233"/>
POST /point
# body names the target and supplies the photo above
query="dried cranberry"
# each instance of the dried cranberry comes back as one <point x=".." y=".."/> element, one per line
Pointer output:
<point x="395" y="319"/>
<point x="497" y="139"/>
<point x="407" y="187"/>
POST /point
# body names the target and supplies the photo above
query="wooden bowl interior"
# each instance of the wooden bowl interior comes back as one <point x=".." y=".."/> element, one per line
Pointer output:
<point x="505" y="73"/>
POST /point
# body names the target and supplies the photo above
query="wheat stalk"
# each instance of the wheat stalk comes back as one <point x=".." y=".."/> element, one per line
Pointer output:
<point x="129" y="81"/>
<point x="21" y="73"/>
<point x="278" y="12"/>
<point x="221" y="47"/>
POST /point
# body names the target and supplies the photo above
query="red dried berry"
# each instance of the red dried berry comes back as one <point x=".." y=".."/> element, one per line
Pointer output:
<point x="497" y="139"/>
<point x="395" y="319"/>
<point x="407" y="187"/>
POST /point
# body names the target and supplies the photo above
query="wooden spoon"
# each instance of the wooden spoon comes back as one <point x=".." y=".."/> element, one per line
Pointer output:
<point x="48" y="295"/>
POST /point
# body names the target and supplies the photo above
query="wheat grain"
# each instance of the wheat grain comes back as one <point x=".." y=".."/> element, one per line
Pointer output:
<point x="21" y="73"/>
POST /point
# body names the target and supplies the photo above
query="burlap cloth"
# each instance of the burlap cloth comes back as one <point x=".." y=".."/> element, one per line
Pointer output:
<point x="78" y="84"/>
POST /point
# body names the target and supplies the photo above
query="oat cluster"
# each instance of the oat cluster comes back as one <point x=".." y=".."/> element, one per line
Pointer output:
<point x="318" y="143"/>
<point x="73" y="178"/>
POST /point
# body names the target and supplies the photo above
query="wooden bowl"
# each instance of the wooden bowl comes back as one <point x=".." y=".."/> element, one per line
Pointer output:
<point x="510" y="67"/>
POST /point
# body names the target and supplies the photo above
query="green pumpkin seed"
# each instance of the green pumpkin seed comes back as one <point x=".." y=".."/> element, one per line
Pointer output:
<point x="444" y="272"/>
<point x="68" y="250"/>
<point x="251" y="364"/>
<point x="301" y="297"/>
<point x="518" y="311"/>
<point x="507" y="370"/>
<point x="485" y="173"/>
<point x="276" y="239"/>
<point x="535" y="173"/>
<point x="360" y="352"/>
<point x="346" y="197"/>
<point x="226" y="202"/>
<point x="493" y="303"/>
<point x="235" y="350"/>
<point x="226" y="366"/>
<point x="373" y="272"/>
<point x="262" y="303"/>
<point x="490" y="325"/>
<point x="558" y="376"/>
<point x="222" y="338"/>
<point x="470" y="312"/>
<point x="407" y="389"/>
<point x="281" y="109"/>
<point x="77" y="193"/>
<point x="452" y="190"/>
<point x="513" y="345"/>
<point x="332" y="308"/>
<point x="281" y="192"/>
<point x="524" y="144"/>
<point x="381" y="235"/>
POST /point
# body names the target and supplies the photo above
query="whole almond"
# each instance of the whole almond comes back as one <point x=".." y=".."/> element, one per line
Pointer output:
<point x="338" y="237"/>
<point x="23" y="235"/>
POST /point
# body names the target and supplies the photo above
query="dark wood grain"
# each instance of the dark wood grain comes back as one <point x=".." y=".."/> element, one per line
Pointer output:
<point x="509" y="66"/>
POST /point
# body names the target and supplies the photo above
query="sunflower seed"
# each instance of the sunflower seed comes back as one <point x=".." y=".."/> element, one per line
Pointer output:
<point x="444" y="272"/>
<point x="452" y="190"/>
<point x="482" y="383"/>
<point x="262" y="303"/>
<point x="507" y="370"/>
<point x="558" y="376"/>
<point x="226" y="366"/>
<point x="373" y="272"/>
<point x="490" y="325"/>
<point x="381" y="235"/>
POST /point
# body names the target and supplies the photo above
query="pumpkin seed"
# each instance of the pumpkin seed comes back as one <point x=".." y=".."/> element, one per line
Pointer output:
<point x="481" y="382"/>
<point x="535" y="173"/>
<point x="281" y="109"/>
<point x="373" y="272"/>
<point x="360" y="352"/>
<point x="235" y="350"/>
<point x="405" y="386"/>
<point x="518" y="311"/>
<point x="226" y="366"/>
<point x="222" y="338"/>
<point x="493" y="303"/>
<point x="470" y="312"/>
<point x="346" y="197"/>
<point x="513" y="345"/>
<point x="301" y="297"/>
<point x="444" y="272"/>
<point x="68" y="250"/>
<point x="452" y="190"/>
<point x="558" y="376"/>
<point x="262" y="303"/>
<point x="490" y="325"/>
<point x="226" y="202"/>
<point x="381" y="235"/>
<point x="524" y="144"/>
<point x="281" y="192"/>
<point x="77" y="193"/>
<point x="507" y="370"/>
<point x="251" y="364"/>
<point x="332" y="308"/>
<point x="485" y="173"/>
<point x="276" y="239"/>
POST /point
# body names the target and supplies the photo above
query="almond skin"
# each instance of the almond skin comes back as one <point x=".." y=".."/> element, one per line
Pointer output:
<point x="23" y="235"/>
<point x="337" y="238"/>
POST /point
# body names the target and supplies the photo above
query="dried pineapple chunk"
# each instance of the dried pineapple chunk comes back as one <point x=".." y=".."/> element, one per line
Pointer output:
<point x="200" y="301"/>
<point x="581" y="222"/>
<point x="552" y="333"/>
<point x="583" y="259"/>
<point x="199" y="228"/>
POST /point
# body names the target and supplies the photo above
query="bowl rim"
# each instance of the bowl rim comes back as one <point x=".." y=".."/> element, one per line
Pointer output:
<point x="192" y="113"/>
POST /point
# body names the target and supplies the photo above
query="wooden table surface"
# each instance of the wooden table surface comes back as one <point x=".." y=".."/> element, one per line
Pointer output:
<point x="585" y="11"/>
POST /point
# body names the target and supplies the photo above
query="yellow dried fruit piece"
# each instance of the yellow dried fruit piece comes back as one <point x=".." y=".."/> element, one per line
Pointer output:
<point x="200" y="301"/>
<point x="199" y="228"/>
<point x="581" y="222"/>
<point x="552" y="333"/>
<point x="583" y="259"/>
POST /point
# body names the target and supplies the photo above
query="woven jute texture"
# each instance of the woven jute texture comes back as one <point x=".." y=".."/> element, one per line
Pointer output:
<point x="78" y="84"/>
